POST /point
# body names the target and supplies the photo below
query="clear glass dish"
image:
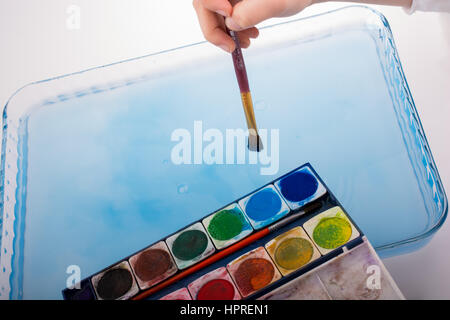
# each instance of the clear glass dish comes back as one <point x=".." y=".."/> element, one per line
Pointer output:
<point x="87" y="176"/>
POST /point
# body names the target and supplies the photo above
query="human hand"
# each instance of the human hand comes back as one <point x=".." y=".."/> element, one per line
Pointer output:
<point x="241" y="17"/>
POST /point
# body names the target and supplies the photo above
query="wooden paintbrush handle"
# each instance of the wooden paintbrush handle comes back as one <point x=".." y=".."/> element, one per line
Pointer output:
<point x="239" y="65"/>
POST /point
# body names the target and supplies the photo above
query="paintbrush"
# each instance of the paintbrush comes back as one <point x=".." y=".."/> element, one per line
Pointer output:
<point x="228" y="251"/>
<point x="254" y="140"/>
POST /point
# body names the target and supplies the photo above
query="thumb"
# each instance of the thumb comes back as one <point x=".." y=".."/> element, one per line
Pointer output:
<point x="248" y="13"/>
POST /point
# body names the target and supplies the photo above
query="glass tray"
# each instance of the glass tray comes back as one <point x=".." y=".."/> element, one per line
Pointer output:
<point x="88" y="178"/>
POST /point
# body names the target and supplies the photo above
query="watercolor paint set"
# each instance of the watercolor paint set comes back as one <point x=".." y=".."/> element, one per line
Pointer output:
<point x="290" y="233"/>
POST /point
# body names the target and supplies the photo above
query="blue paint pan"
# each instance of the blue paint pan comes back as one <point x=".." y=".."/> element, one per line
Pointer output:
<point x="300" y="187"/>
<point x="264" y="207"/>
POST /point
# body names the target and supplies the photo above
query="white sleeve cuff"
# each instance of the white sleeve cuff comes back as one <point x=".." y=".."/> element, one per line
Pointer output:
<point x="411" y="9"/>
<point x="429" y="5"/>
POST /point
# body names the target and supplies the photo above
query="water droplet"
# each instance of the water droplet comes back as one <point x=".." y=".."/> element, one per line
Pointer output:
<point x="182" y="188"/>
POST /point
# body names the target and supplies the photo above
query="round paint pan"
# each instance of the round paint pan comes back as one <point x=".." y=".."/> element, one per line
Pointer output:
<point x="215" y="285"/>
<point x="330" y="229"/>
<point x="115" y="283"/>
<point x="292" y="250"/>
<point x="153" y="265"/>
<point x="253" y="271"/>
<point x="227" y="226"/>
<point x="190" y="245"/>
<point x="264" y="207"/>
<point x="300" y="187"/>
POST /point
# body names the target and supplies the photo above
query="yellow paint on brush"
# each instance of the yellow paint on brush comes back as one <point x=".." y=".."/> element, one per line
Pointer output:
<point x="247" y="103"/>
<point x="254" y="142"/>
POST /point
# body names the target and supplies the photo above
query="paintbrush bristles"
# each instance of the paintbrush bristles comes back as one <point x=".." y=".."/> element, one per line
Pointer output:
<point x="254" y="142"/>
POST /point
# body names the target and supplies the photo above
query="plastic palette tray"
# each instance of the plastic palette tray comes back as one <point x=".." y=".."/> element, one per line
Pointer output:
<point x="87" y="176"/>
<point x="327" y="201"/>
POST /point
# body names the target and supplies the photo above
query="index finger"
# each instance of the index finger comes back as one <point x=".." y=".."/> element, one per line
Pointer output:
<point x="213" y="27"/>
<point x="222" y="7"/>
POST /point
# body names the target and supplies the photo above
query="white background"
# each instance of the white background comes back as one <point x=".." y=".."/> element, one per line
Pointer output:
<point x="36" y="44"/>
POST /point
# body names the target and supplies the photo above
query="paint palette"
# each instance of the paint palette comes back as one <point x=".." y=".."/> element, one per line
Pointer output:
<point x="320" y="255"/>
<point x="190" y="245"/>
<point x="300" y="187"/>
<point x="264" y="207"/>
<point x="247" y="263"/>
<point x="227" y="226"/>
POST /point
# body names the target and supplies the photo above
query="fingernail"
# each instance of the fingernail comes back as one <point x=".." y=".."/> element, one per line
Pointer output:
<point x="232" y="24"/>
<point x="222" y="13"/>
<point x="225" y="48"/>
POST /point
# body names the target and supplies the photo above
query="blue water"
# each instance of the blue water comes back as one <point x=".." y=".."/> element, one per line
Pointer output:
<point x="101" y="185"/>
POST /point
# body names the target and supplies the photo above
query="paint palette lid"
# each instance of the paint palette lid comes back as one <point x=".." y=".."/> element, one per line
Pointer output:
<point x="100" y="164"/>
